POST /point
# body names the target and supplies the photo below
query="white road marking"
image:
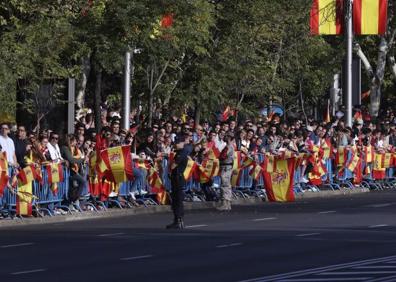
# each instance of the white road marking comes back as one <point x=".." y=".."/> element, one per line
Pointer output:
<point x="196" y="226"/>
<point x="264" y="219"/>
<point x="311" y="271"/>
<point x="379" y="205"/>
<point x="326" y="279"/>
<point x="391" y="262"/>
<point x="138" y="257"/>
<point x="16" y="245"/>
<point x="374" y="266"/>
<point x="326" y="212"/>
<point x="110" y="234"/>
<point x="28" y="271"/>
<point x="378" y="225"/>
<point x="356" y="272"/>
<point x="307" y="234"/>
<point x="229" y="245"/>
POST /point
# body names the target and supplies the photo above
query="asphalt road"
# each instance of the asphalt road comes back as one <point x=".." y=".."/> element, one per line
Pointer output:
<point x="350" y="238"/>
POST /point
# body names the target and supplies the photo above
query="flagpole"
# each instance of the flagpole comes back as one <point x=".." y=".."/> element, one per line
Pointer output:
<point x="349" y="34"/>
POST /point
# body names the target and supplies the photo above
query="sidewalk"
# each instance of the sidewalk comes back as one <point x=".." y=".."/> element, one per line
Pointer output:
<point x="114" y="212"/>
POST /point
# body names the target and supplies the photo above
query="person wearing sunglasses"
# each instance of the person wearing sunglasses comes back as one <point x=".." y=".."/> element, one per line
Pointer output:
<point x="53" y="147"/>
<point x="8" y="145"/>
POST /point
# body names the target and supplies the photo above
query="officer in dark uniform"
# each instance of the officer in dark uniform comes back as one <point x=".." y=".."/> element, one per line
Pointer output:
<point x="178" y="182"/>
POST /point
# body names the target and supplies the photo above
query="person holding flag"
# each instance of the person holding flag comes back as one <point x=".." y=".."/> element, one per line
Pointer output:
<point x="226" y="164"/>
<point x="178" y="166"/>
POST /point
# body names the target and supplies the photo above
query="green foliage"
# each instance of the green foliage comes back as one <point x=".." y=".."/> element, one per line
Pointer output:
<point x="217" y="53"/>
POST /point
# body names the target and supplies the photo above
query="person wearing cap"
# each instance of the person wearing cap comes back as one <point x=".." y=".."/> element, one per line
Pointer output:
<point x="178" y="182"/>
<point x="226" y="163"/>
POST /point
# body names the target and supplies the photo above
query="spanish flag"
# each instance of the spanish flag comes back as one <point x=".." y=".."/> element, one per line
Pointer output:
<point x="370" y="16"/>
<point x="4" y="177"/>
<point x="28" y="175"/>
<point x="268" y="164"/>
<point x="24" y="199"/>
<point x="279" y="183"/>
<point x="209" y="169"/>
<point x="387" y="160"/>
<point x="190" y="168"/>
<point x="118" y="163"/>
<point x="378" y="168"/>
<point x="326" y="17"/>
<point x="157" y="187"/>
<point x="368" y="154"/>
<point x="55" y="173"/>
<point x="341" y="156"/>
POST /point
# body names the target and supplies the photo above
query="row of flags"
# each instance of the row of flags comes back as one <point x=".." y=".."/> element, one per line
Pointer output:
<point x="23" y="179"/>
<point x="369" y="17"/>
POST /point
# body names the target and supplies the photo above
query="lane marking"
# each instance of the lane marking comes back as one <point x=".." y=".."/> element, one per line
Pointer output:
<point x="28" y="271"/>
<point x="196" y="226"/>
<point x="326" y="279"/>
<point x="374" y="266"/>
<point x="310" y="271"/>
<point x="110" y="234"/>
<point x="136" y="258"/>
<point x="16" y="245"/>
<point x="356" y="272"/>
<point x="379" y="205"/>
<point x="378" y="226"/>
<point x="264" y="219"/>
<point x="229" y="245"/>
<point x="326" y="212"/>
<point x="307" y="234"/>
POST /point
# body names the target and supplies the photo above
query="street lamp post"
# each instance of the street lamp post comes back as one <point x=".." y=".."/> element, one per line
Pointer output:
<point x="349" y="41"/>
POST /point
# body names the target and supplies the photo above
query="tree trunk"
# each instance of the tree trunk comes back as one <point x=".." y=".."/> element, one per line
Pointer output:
<point x="376" y="82"/>
<point x="98" y="99"/>
<point x="82" y="82"/>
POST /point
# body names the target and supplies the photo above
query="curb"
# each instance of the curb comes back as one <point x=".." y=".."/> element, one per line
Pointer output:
<point x="188" y="206"/>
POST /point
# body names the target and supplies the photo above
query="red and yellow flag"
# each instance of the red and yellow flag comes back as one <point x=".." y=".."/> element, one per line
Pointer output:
<point x="279" y="183"/>
<point x="370" y="16"/>
<point x="4" y="177"/>
<point x="378" y="167"/>
<point x="368" y="154"/>
<point x="326" y="17"/>
<point x="341" y="156"/>
<point x="118" y="164"/>
<point x="55" y="173"/>
<point x="24" y="199"/>
<point x="27" y="175"/>
<point x="190" y="168"/>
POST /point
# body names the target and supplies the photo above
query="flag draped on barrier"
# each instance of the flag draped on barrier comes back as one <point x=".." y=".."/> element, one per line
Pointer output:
<point x="28" y="174"/>
<point x="116" y="164"/>
<point x="4" y="177"/>
<point x="279" y="183"/>
<point x="379" y="169"/>
<point x="370" y="16"/>
<point x="24" y="199"/>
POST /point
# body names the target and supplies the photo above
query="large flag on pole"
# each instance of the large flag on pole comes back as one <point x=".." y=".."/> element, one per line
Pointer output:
<point x="279" y="183"/>
<point x="327" y="17"/>
<point x="370" y="16"/>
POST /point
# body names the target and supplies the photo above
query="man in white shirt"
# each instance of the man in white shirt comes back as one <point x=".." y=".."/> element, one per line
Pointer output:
<point x="53" y="147"/>
<point x="7" y="145"/>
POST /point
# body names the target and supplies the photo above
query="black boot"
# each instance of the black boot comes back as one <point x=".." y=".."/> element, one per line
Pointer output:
<point x="177" y="224"/>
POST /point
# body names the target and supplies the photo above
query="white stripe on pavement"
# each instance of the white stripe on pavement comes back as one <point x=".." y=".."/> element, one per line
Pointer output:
<point x="229" y="245"/>
<point x="307" y="234"/>
<point x="356" y="272"/>
<point x="326" y="212"/>
<point x="374" y="266"/>
<point x="110" y="234"/>
<point x="136" y="258"/>
<point x="379" y="205"/>
<point x="264" y="219"/>
<point x="28" y="271"/>
<point x="196" y="226"/>
<point x="16" y="245"/>
<point x="378" y="226"/>
<point x="326" y="279"/>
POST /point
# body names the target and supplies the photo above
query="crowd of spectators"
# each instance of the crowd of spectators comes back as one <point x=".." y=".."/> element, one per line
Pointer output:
<point x="257" y="135"/>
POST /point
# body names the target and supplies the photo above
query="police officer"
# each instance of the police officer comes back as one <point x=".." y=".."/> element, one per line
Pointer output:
<point x="178" y="182"/>
<point x="226" y="163"/>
